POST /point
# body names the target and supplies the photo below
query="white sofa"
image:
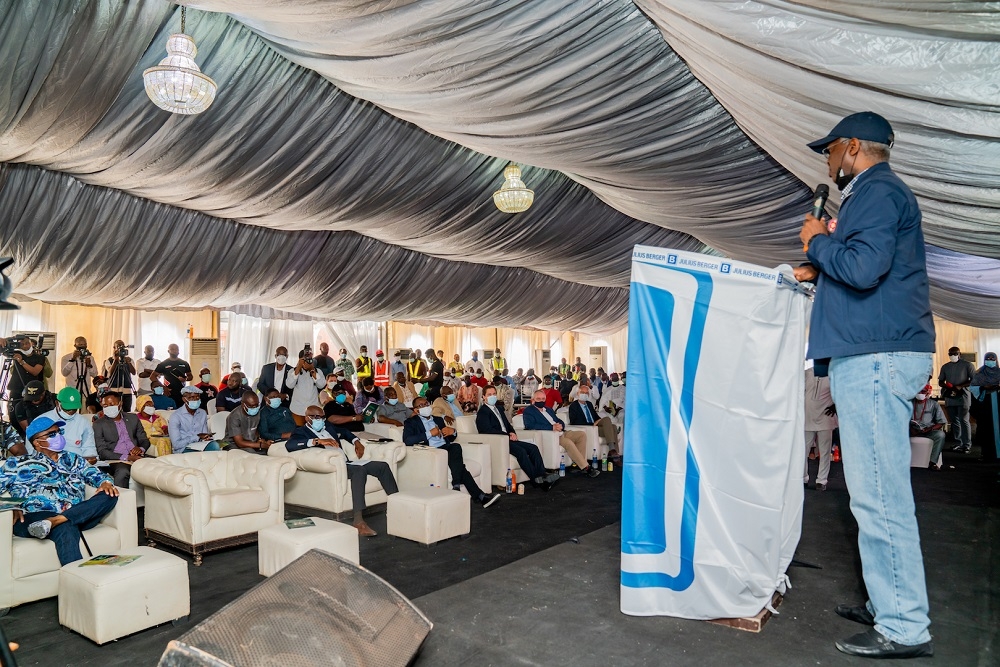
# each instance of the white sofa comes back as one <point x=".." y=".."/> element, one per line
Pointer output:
<point x="203" y="501"/>
<point x="29" y="569"/>
<point x="500" y="457"/>
<point x="321" y="487"/>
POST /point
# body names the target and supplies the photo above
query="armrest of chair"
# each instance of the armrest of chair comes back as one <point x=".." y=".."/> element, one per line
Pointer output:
<point x="548" y="445"/>
<point x="312" y="459"/>
<point x="123" y="518"/>
<point x="482" y="453"/>
<point x="390" y="452"/>
<point x="499" y="447"/>
<point x="423" y="466"/>
<point x="378" y="430"/>
<point x="167" y="478"/>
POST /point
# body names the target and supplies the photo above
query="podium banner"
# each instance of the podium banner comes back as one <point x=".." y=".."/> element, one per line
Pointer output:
<point x="714" y="449"/>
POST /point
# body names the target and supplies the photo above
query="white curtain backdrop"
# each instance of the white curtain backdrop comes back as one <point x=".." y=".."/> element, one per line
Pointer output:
<point x="349" y="335"/>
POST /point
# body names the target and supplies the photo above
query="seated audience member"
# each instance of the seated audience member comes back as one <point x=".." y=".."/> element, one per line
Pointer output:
<point x="276" y="421"/>
<point x="582" y="382"/>
<point x="340" y="412"/>
<point x="613" y="401"/>
<point x="445" y="406"/>
<point x="480" y="380"/>
<point x="425" y="429"/>
<point x="392" y="412"/>
<point x="540" y="417"/>
<point x="583" y="413"/>
<point x="530" y="384"/>
<point x="928" y="421"/>
<point x="369" y="394"/>
<point x="553" y="398"/>
<point x="231" y="397"/>
<point x="189" y="430"/>
<point x="305" y="381"/>
<point x="208" y="390"/>
<point x="468" y="396"/>
<point x="119" y="438"/>
<point x="77" y="429"/>
<point x="243" y="426"/>
<point x="236" y="367"/>
<point x="36" y="402"/>
<point x="491" y="420"/>
<point x="405" y="391"/>
<point x="318" y="432"/>
<point x="160" y="400"/>
<point x="53" y="482"/>
<point x="156" y="427"/>
<point x="452" y="380"/>
<point x="505" y="396"/>
<point x="92" y="404"/>
<point x="565" y="386"/>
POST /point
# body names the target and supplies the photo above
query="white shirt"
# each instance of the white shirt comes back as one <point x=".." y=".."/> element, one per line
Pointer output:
<point x="279" y="377"/>
<point x="141" y="365"/>
<point x="78" y="431"/>
<point x="306" y="391"/>
<point x="497" y="413"/>
<point x="476" y="365"/>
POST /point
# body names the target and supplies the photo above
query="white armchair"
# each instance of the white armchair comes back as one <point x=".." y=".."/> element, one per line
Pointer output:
<point x="499" y="447"/>
<point x="546" y="441"/>
<point x="594" y="439"/>
<point x="377" y="430"/>
<point x="427" y="466"/>
<point x="320" y="487"/>
<point x="29" y="568"/>
<point x="204" y="501"/>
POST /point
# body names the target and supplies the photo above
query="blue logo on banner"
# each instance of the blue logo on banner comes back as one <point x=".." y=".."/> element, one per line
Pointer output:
<point x="644" y="507"/>
<point x="671" y="259"/>
<point x="726" y="267"/>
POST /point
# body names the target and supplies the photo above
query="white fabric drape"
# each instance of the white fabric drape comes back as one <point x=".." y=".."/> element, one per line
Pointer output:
<point x="349" y="335"/>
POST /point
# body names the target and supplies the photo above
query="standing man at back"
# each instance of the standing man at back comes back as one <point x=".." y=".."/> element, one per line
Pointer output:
<point x="954" y="380"/>
<point x="872" y="320"/>
<point x="175" y="371"/>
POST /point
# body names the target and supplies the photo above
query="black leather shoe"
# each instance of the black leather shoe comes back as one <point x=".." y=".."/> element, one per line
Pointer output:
<point x="857" y="614"/>
<point x="871" y="644"/>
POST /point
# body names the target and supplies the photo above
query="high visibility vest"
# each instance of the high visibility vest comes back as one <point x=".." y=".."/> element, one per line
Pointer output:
<point x="414" y="366"/>
<point x="498" y="363"/>
<point x="382" y="373"/>
<point x="365" y="369"/>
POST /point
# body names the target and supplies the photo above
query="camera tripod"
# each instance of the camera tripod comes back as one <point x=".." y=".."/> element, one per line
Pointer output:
<point x="8" y="434"/>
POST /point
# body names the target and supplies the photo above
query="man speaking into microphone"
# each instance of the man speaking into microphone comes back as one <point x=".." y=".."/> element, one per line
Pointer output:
<point x="872" y="319"/>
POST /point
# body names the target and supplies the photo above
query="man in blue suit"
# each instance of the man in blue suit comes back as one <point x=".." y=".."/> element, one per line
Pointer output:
<point x="492" y="421"/>
<point x="273" y="376"/>
<point x="317" y="432"/>
<point x="424" y="429"/>
<point x="540" y="417"/>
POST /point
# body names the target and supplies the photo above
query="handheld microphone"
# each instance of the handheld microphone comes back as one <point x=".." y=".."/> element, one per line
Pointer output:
<point x="819" y="203"/>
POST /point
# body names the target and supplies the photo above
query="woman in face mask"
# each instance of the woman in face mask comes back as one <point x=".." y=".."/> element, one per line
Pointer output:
<point x="154" y="424"/>
<point x="986" y="387"/>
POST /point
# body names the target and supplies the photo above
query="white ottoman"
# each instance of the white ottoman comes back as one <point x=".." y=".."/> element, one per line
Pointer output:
<point x="279" y="545"/>
<point x="105" y="602"/>
<point x="428" y="515"/>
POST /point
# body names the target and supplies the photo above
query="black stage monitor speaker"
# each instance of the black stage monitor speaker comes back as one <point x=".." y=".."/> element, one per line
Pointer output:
<point x="319" y="610"/>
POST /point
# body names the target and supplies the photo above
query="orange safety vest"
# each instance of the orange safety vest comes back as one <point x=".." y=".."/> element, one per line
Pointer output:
<point x="382" y="373"/>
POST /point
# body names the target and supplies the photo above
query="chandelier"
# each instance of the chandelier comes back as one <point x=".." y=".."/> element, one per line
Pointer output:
<point x="176" y="84"/>
<point x="513" y="196"/>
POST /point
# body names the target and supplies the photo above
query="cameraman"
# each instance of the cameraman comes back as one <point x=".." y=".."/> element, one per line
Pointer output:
<point x="305" y="382"/>
<point x="119" y="369"/>
<point x="78" y="367"/>
<point x="27" y="364"/>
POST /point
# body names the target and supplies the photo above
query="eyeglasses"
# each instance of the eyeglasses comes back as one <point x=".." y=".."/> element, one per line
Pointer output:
<point x="826" y="151"/>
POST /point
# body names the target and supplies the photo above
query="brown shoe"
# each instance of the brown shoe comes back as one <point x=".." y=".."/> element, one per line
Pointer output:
<point x="364" y="530"/>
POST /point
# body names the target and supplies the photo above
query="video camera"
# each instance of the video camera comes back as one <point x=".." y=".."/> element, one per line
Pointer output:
<point x="13" y="346"/>
<point x="122" y="352"/>
<point x="307" y="353"/>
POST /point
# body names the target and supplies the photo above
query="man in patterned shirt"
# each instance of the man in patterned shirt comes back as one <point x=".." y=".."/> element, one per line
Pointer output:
<point x="53" y="483"/>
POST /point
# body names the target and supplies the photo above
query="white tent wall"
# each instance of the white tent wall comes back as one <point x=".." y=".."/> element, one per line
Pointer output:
<point x="968" y="339"/>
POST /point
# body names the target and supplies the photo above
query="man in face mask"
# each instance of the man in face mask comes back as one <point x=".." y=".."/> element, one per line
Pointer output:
<point x="530" y="384"/>
<point x="452" y="380"/>
<point x="540" y="417"/>
<point x="119" y="438"/>
<point x="345" y="364"/>
<point x="27" y="365"/>
<point x="145" y="366"/>
<point x="53" y="483"/>
<point x="490" y="420"/>
<point x="383" y="373"/>
<point x="243" y="426"/>
<point x="78" y="367"/>
<point x="474" y="363"/>
<point x="479" y="379"/>
<point x="159" y="396"/>
<point x="175" y="371"/>
<point x="273" y="375"/>
<point x="78" y="430"/>
<point x="582" y="412"/>
<point x="369" y="394"/>
<point x="397" y="366"/>
<point x="189" y="424"/>
<point x="208" y="389"/>
<point x="276" y="421"/>
<point x="446" y="406"/>
<point x="434" y="376"/>
<point x="416" y="369"/>
<point x="954" y="379"/>
<point x="340" y="412"/>
<point x="36" y="402"/>
<point x="392" y="412"/>
<point x="319" y="432"/>
<point x="553" y="398"/>
<point x="928" y="421"/>
<point x="612" y="403"/>
<point x="363" y="365"/>
<point x="455" y="365"/>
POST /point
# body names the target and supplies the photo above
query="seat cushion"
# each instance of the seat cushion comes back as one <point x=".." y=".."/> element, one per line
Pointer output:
<point x="474" y="468"/>
<point x="32" y="556"/>
<point x="234" y="502"/>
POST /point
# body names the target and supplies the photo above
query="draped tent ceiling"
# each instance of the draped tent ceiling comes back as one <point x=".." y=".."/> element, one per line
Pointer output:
<point x="346" y="166"/>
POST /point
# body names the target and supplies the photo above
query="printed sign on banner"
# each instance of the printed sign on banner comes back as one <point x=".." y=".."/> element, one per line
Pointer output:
<point x="714" y="443"/>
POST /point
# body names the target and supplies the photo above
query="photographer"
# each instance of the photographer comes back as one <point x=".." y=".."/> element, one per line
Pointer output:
<point x="119" y="369"/>
<point x="27" y="364"/>
<point x="305" y="382"/>
<point x="78" y="367"/>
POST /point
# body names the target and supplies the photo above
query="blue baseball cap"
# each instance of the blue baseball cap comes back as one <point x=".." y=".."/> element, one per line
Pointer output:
<point x="39" y="424"/>
<point x="866" y="126"/>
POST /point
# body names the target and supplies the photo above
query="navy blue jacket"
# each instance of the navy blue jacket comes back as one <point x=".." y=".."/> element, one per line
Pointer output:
<point x="414" y="432"/>
<point x="873" y="294"/>
<point x="534" y="421"/>
<point x="576" y="416"/>
<point x="303" y="434"/>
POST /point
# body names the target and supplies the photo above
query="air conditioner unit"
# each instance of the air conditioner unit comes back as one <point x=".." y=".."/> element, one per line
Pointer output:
<point x="485" y="355"/>
<point x="205" y="353"/>
<point x="543" y="361"/>
<point x="48" y="346"/>
<point x="598" y="357"/>
<point x="404" y="353"/>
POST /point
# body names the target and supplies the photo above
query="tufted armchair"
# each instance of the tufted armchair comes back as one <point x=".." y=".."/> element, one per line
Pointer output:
<point x="203" y="501"/>
<point x="321" y="486"/>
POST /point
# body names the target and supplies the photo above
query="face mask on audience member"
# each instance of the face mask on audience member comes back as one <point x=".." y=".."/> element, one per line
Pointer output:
<point x="149" y="410"/>
<point x="953" y="357"/>
<point x="425" y="411"/>
<point x="990" y="363"/>
<point x="331" y="384"/>
<point x="30" y="351"/>
<point x="922" y="396"/>
<point x="274" y="402"/>
<point x="56" y="442"/>
<point x="316" y="425"/>
<point x="380" y="358"/>
<point x="539" y="404"/>
<point x="65" y="416"/>
<point x="111" y="411"/>
<point x="393" y="401"/>
<point x="158" y="391"/>
<point x="343" y="356"/>
<point x="583" y="396"/>
<point x="615" y="383"/>
<point x="491" y="400"/>
<point x="281" y="359"/>
<point x="244" y="380"/>
<point x="252" y="411"/>
<point x="341" y="398"/>
<point x="364" y="355"/>
<point x="450" y="398"/>
<point x="206" y="377"/>
<point x="195" y="404"/>
<point x="479" y="374"/>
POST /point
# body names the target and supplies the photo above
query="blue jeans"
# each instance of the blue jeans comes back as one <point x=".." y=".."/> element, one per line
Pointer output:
<point x="80" y="517"/>
<point x="873" y="394"/>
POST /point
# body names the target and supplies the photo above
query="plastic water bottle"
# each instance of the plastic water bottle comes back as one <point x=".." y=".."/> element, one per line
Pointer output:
<point x="562" y="465"/>
<point x="604" y="463"/>
<point x="593" y="461"/>
<point x="508" y="480"/>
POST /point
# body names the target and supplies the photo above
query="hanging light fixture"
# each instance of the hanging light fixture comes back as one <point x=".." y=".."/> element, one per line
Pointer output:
<point x="513" y="196"/>
<point x="176" y="84"/>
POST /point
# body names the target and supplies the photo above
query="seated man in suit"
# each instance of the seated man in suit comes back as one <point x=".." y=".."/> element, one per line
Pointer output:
<point x="120" y="438"/>
<point x="492" y="420"/>
<point x="582" y="412"/>
<point x="540" y="417"/>
<point x="425" y="429"/>
<point x="272" y="376"/>
<point x="317" y="432"/>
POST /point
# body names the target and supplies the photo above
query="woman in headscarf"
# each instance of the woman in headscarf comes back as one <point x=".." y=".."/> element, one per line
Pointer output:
<point x="985" y="387"/>
<point x="154" y="425"/>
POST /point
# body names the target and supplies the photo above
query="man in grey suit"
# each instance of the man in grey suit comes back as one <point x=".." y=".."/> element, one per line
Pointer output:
<point x="119" y="438"/>
<point x="273" y="376"/>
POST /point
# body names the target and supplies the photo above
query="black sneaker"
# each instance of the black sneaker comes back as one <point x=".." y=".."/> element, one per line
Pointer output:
<point x="872" y="644"/>
<point x="592" y="471"/>
<point x="488" y="500"/>
<point x="856" y="614"/>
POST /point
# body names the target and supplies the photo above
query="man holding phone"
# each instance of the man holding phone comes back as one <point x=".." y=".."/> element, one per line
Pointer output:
<point x="189" y="425"/>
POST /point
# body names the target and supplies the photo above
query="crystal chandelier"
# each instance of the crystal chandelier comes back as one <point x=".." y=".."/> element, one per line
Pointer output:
<point x="513" y="196"/>
<point x="176" y="84"/>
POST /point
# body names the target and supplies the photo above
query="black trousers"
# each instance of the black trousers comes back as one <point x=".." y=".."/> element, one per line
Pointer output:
<point x="459" y="473"/>
<point x="359" y="477"/>
<point x="80" y="517"/>
<point x="529" y="458"/>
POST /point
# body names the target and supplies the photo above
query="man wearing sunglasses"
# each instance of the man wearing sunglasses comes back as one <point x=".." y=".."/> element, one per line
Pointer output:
<point x="52" y="483"/>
